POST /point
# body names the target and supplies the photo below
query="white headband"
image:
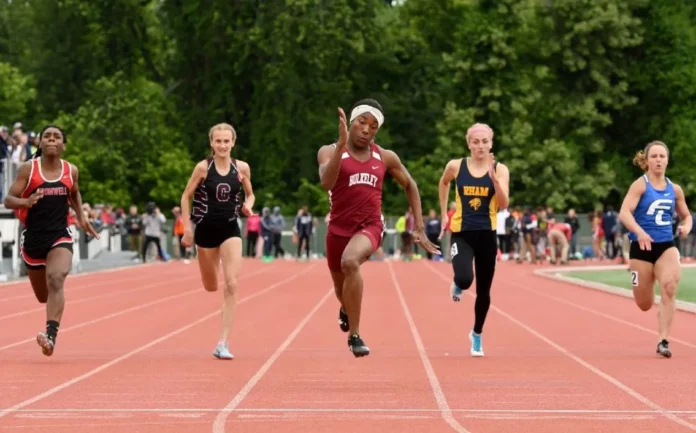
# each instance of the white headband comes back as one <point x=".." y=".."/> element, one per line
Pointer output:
<point x="362" y="109"/>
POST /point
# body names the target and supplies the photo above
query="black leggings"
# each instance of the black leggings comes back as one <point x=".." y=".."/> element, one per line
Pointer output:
<point x="146" y="244"/>
<point x="483" y="247"/>
<point x="303" y="241"/>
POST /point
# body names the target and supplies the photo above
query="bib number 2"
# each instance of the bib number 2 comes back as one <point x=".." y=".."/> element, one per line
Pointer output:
<point x="634" y="278"/>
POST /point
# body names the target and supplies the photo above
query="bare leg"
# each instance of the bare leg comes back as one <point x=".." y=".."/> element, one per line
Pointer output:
<point x="231" y="255"/>
<point x="643" y="283"/>
<point x="338" y="280"/>
<point x="58" y="265"/>
<point x="356" y="253"/>
<point x="209" y="264"/>
<point x="37" y="278"/>
<point x="668" y="274"/>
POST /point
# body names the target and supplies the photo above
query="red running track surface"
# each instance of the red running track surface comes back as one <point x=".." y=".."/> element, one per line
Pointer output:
<point x="134" y="354"/>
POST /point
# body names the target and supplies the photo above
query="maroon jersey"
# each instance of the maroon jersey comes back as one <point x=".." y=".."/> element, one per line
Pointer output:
<point x="356" y="198"/>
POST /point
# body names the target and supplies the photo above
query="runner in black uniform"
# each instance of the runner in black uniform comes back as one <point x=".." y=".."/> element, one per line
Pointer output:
<point x="41" y="196"/>
<point x="482" y="187"/>
<point x="216" y="187"/>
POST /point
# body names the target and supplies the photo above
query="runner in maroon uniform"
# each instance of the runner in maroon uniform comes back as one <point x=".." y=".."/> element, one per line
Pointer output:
<point x="352" y="170"/>
<point x="41" y="196"/>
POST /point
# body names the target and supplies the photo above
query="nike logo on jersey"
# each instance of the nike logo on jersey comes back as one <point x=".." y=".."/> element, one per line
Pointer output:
<point x="375" y="167"/>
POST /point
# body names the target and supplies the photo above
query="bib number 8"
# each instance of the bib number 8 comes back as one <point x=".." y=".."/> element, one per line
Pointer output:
<point x="453" y="250"/>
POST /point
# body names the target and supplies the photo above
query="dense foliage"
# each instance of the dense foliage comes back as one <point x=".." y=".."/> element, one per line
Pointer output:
<point x="573" y="88"/>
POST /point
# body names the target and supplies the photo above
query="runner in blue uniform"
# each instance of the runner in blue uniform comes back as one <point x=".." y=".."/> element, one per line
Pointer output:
<point x="647" y="213"/>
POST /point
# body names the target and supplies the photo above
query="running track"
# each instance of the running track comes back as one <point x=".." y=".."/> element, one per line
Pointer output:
<point x="134" y="355"/>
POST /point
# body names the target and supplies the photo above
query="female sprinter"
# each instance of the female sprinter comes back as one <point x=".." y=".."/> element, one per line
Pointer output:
<point x="481" y="189"/>
<point x="41" y="196"/>
<point x="215" y="187"/>
<point x="352" y="170"/>
<point x="646" y="213"/>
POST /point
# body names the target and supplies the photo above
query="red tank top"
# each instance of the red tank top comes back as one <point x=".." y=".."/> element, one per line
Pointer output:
<point x="356" y="198"/>
<point x="52" y="212"/>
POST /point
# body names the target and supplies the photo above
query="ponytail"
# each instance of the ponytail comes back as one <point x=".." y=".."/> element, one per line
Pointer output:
<point x="640" y="160"/>
<point x="37" y="154"/>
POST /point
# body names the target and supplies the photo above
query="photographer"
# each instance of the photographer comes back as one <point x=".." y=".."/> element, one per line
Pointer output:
<point x="153" y="221"/>
<point x="134" y="227"/>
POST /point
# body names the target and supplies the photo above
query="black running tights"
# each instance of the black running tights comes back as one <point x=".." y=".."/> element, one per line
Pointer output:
<point x="475" y="250"/>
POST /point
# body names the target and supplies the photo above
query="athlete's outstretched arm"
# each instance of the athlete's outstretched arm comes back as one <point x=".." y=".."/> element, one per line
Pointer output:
<point x="403" y="177"/>
<point x="76" y="202"/>
<point x="683" y="213"/>
<point x="14" y="199"/>
<point x="630" y="202"/>
<point x="329" y="159"/>
<point x="501" y="180"/>
<point x="199" y="173"/>
<point x="448" y="175"/>
<point x="249" y="198"/>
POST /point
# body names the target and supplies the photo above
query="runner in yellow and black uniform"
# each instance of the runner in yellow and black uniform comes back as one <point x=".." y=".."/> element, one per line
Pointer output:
<point x="481" y="190"/>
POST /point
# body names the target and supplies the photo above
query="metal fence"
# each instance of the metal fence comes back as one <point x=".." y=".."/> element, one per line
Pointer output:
<point x="392" y="241"/>
<point x="9" y="171"/>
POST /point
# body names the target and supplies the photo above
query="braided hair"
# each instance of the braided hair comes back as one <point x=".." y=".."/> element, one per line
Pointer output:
<point x="38" y="152"/>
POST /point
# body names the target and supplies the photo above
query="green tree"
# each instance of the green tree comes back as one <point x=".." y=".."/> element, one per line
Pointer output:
<point x="663" y="78"/>
<point x="72" y="43"/>
<point x="547" y="77"/>
<point x="16" y="93"/>
<point x="125" y="144"/>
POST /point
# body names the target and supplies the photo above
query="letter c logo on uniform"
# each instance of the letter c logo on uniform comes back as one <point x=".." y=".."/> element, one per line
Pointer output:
<point x="223" y="192"/>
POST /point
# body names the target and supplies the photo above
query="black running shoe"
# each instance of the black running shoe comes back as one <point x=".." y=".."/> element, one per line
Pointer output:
<point x="343" y="320"/>
<point x="357" y="346"/>
<point x="46" y="342"/>
<point x="663" y="349"/>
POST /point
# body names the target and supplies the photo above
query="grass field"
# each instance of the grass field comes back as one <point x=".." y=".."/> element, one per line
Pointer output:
<point x="621" y="278"/>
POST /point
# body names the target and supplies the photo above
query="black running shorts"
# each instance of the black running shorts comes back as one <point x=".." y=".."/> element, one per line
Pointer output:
<point x="656" y="251"/>
<point x="35" y="246"/>
<point x="211" y="234"/>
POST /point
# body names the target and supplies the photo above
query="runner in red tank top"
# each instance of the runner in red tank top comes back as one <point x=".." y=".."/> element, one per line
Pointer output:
<point x="352" y="170"/>
<point x="41" y="196"/>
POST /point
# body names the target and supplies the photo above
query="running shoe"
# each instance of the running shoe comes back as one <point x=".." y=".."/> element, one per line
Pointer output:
<point x="47" y="344"/>
<point x="222" y="352"/>
<point x="663" y="349"/>
<point x="476" y="345"/>
<point x="455" y="292"/>
<point x="343" y="320"/>
<point x="357" y="346"/>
